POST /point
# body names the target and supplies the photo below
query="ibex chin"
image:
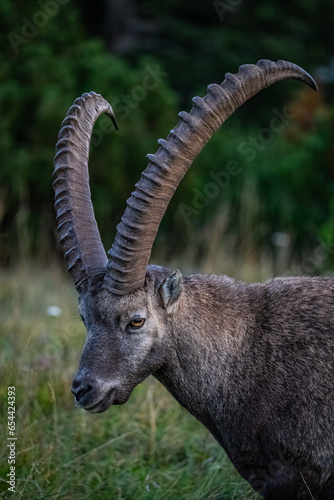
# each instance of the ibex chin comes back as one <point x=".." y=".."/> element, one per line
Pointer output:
<point x="253" y="362"/>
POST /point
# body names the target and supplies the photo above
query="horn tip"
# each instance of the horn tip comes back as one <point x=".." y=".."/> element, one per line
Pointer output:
<point x="304" y="75"/>
<point x="297" y="72"/>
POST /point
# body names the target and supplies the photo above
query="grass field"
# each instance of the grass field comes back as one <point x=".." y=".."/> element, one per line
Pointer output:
<point x="150" y="448"/>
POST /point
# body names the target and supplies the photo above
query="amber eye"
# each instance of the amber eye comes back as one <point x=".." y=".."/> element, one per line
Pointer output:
<point x="136" y="323"/>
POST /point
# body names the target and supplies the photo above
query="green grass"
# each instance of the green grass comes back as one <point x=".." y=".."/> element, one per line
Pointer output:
<point x="150" y="448"/>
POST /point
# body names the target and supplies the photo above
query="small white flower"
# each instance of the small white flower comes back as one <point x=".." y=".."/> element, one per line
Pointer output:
<point x="54" y="311"/>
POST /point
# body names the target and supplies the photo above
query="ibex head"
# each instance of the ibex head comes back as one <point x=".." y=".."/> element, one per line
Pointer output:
<point x="127" y="306"/>
<point x="127" y="337"/>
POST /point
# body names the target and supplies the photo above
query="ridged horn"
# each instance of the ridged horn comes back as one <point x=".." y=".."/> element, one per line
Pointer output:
<point x="77" y="227"/>
<point x="130" y="252"/>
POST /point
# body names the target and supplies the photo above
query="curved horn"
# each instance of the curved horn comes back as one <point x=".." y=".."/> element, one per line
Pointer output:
<point x="130" y="252"/>
<point x="77" y="227"/>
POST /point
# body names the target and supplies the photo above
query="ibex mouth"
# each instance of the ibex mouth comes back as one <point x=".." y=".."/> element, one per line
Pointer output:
<point x="104" y="403"/>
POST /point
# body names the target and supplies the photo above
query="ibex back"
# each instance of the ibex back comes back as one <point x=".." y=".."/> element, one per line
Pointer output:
<point x="254" y="363"/>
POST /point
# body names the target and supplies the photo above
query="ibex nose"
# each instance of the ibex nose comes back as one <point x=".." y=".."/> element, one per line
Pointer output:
<point x="80" y="389"/>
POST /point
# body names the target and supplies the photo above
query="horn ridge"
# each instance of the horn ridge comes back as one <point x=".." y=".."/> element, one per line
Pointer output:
<point x="77" y="227"/>
<point x="126" y="268"/>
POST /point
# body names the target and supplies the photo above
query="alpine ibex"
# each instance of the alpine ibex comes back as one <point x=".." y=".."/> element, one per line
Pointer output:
<point x="253" y="362"/>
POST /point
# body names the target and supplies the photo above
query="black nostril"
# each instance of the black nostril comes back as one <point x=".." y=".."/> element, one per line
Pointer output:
<point x="79" y="389"/>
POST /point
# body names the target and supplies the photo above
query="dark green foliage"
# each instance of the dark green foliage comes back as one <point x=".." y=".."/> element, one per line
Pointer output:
<point x="172" y="52"/>
<point x="39" y="83"/>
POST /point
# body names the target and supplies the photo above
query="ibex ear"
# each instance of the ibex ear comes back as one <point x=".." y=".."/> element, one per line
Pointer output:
<point x="170" y="290"/>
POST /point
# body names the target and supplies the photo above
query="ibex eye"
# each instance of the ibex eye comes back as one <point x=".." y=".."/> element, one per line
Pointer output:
<point x="136" y="323"/>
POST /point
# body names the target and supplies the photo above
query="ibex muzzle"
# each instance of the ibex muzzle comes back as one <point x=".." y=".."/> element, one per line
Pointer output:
<point x="254" y="363"/>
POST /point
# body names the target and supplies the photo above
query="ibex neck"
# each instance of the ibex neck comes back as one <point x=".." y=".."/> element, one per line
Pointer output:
<point x="208" y="333"/>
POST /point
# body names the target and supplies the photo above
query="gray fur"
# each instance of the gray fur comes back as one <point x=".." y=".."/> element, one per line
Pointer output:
<point x="253" y="363"/>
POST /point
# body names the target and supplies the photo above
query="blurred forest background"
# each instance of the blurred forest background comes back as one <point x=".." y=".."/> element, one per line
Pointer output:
<point x="149" y="59"/>
<point x="258" y="201"/>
